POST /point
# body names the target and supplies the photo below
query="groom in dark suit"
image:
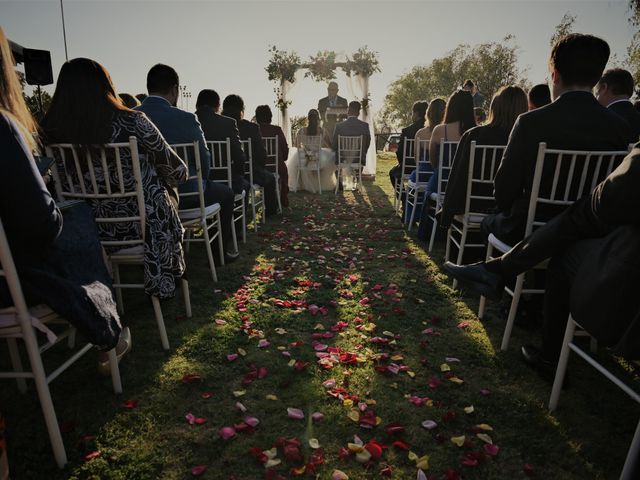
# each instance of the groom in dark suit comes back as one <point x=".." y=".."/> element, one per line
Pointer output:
<point x="331" y="100"/>
<point x="353" y="127"/>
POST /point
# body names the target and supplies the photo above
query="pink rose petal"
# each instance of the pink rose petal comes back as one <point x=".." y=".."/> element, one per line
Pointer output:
<point x="232" y="356"/>
<point x="227" y="432"/>
<point x="429" y="424"/>
<point x="317" y="416"/>
<point x="198" y="470"/>
<point x="295" y="413"/>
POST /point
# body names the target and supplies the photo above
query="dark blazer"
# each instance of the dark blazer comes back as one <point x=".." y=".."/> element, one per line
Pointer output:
<point x="251" y="131"/>
<point x="575" y="121"/>
<point x="323" y="104"/>
<point x="269" y="130"/>
<point x="456" y="193"/>
<point x="626" y="110"/>
<point x="178" y="126"/>
<point x="353" y="127"/>
<point x="410" y="134"/>
<point x="217" y="127"/>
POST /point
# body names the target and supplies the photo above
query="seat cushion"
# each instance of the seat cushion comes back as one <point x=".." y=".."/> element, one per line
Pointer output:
<point x="40" y="316"/>
<point x="194" y="213"/>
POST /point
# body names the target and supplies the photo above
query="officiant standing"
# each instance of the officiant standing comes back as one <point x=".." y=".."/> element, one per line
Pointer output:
<point x="331" y="100"/>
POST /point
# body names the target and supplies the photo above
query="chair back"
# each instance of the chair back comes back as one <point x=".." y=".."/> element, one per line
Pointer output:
<point x="220" y="166"/>
<point x="423" y="174"/>
<point x="408" y="153"/>
<point x="349" y="149"/>
<point x="562" y="177"/>
<point x="102" y="173"/>
<point x="190" y="155"/>
<point x="9" y="274"/>
<point x="271" y="147"/>
<point x="248" y="165"/>
<point x="484" y="161"/>
<point x="311" y="144"/>
<point x="447" y="154"/>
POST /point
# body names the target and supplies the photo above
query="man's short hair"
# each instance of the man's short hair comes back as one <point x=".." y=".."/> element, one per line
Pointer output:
<point x="161" y="79"/>
<point x="355" y="106"/>
<point x="263" y="114"/>
<point x="233" y="104"/>
<point x="540" y="95"/>
<point x="209" y="98"/>
<point x="619" y="81"/>
<point x="420" y="107"/>
<point x="468" y="83"/>
<point x="580" y="59"/>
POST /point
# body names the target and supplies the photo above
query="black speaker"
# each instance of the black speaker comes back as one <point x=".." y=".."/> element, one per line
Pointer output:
<point x="37" y="67"/>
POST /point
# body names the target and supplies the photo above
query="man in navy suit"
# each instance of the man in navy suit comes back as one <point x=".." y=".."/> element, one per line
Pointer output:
<point x="352" y="127"/>
<point x="178" y="126"/>
<point x="614" y="91"/>
<point x="217" y="127"/>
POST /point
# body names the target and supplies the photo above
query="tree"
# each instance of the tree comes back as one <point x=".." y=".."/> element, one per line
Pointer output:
<point x="490" y="65"/>
<point x="633" y="59"/>
<point x="564" y="28"/>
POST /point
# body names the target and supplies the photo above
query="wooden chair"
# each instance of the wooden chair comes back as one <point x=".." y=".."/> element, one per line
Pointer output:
<point x="221" y="162"/>
<point x="437" y="198"/>
<point x="415" y="191"/>
<point x="256" y="192"/>
<point x="19" y="323"/>
<point x="349" y="159"/>
<point x="568" y="175"/>
<point x="271" y="147"/>
<point x="72" y="164"/>
<point x="405" y="172"/>
<point x="483" y="165"/>
<point x="204" y="217"/>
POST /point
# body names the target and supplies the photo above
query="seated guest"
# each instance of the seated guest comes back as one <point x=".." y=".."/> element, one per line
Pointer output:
<point x="471" y="87"/>
<point x="594" y="273"/>
<point x="614" y="91"/>
<point x="129" y="100"/>
<point x="314" y="128"/>
<point x="573" y="121"/>
<point x="539" y="96"/>
<point x="418" y="113"/>
<point x="85" y="111"/>
<point x="178" y="126"/>
<point x="233" y="107"/>
<point x="353" y="127"/>
<point x="435" y="114"/>
<point x="75" y="284"/>
<point x="480" y="115"/>
<point x="217" y="127"/>
<point x="264" y="117"/>
<point x="506" y="105"/>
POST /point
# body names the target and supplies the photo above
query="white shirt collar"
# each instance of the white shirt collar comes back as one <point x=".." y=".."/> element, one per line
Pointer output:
<point x="618" y="101"/>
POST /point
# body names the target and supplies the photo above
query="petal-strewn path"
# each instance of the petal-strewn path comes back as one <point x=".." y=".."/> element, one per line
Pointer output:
<point x="333" y="349"/>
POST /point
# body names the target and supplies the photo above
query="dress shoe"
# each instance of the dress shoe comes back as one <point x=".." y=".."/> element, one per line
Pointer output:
<point x="122" y="348"/>
<point x="532" y="356"/>
<point x="477" y="278"/>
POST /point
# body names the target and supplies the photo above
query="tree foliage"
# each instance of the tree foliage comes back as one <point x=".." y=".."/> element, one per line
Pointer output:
<point x="491" y="65"/>
<point x="564" y="28"/>
<point x="633" y="59"/>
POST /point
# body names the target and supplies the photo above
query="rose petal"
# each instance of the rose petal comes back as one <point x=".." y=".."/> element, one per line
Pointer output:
<point x="232" y="356"/>
<point x="429" y="424"/>
<point x="314" y="443"/>
<point x="130" y="404"/>
<point x="92" y="455"/>
<point x="251" y="421"/>
<point x="198" y="470"/>
<point x="317" y="416"/>
<point x="227" y="432"/>
<point x="295" y="413"/>
<point x="491" y="449"/>
<point x="339" y="475"/>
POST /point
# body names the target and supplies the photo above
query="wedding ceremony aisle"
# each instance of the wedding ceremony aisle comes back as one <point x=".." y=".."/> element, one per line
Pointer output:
<point x="334" y="345"/>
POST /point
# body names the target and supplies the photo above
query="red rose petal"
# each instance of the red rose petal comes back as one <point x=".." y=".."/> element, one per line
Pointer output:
<point x="198" y="470"/>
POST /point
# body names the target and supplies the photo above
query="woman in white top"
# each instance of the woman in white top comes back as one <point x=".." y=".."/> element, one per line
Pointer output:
<point x="311" y="166"/>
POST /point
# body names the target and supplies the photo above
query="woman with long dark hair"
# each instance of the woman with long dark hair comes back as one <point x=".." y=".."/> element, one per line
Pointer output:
<point x="507" y="104"/>
<point x="86" y="111"/>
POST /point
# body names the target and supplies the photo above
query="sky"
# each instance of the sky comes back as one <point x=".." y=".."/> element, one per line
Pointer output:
<point x="224" y="44"/>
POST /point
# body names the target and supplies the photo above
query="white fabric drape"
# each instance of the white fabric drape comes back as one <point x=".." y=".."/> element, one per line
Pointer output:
<point x="361" y="91"/>
<point x="285" y="124"/>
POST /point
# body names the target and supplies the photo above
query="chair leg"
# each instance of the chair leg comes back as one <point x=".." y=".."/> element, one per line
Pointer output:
<point x="483" y="300"/>
<point x="187" y="241"/>
<point x="187" y="297"/>
<point x="413" y="210"/>
<point x="632" y="457"/>
<point x="253" y="206"/>
<point x="517" y="291"/>
<point x="264" y="209"/>
<point x="463" y="239"/>
<point x="593" y="345"/>
<point x="44" y="395"/>
<point x="433" y="232"/>
<point x="71" y="340"/>
<point x="16" y="363"/>
<point x="447" y="249"/>
<point x="115" y="371"/>
<point x="116" y="280"/>
<point x="207" y="246"/>
<point x="160" y="321"/>
<point x="244" y="222"/>
<point x="319" y="183"/>
<point x="562" y="364"/>
<point x="218" y="221"/>
<point x="338" y="175"/>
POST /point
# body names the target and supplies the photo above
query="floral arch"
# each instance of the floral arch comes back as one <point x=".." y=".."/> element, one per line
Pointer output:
<point x="283" y="66"/>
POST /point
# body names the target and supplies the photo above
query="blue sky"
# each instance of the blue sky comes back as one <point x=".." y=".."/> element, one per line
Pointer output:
<point x="223" y="44"/>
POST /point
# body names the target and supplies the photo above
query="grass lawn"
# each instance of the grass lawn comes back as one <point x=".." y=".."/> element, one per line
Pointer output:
<point x="337" y="278"/>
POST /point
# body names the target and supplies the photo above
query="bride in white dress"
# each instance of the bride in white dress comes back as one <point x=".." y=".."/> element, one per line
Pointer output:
<point x="311" y="165"/>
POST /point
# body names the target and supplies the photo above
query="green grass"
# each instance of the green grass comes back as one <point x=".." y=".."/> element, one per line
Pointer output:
<point x="323" y="239"/>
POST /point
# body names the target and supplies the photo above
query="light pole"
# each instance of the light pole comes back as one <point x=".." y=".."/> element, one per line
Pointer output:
<point x="182" y="89"/>
<point x="64" y="32"/>
<point x="187" y="95"/>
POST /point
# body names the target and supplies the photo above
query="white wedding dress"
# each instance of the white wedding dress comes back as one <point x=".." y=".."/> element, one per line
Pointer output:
<point x="310" y="167"/>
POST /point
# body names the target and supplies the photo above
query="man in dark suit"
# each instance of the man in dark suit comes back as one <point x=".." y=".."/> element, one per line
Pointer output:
<point x="352" y="126"/>
<point x="418" y="115"/>
<point x="574" y="121"/>
<point x="178" y="126"/>
<point x="331" y="100"/>
<point x="614" y="91"/>
<point x="217" y="127"/>
<point x="233" y="107"/>
<point x="594" y="270"/>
